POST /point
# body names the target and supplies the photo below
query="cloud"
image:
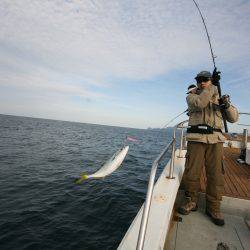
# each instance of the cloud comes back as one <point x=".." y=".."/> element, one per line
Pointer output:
<point x="37" y="82"/>
<point x="88" y="48"/>
<point x="134" y="39"/>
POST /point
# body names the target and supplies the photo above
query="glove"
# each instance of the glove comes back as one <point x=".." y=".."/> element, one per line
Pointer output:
<point x="224" y="102"/>
<point x="216" y="77"/>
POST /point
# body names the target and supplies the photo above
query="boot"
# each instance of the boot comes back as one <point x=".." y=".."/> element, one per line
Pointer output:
<point x="187" y="208"/>
<point x="216" y="217"/>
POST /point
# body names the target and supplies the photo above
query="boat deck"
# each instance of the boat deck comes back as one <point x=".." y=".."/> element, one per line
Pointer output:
<point x="196" y="231"/>
<point x="237" y="176"/>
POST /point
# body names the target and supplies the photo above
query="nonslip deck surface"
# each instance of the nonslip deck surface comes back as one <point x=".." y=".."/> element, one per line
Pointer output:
<point x="237" y="176"/>
<point x="196" y="231"/>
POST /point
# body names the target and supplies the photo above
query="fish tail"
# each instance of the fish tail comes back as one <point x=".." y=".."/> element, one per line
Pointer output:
<point x="84" y="176"/>
<point x="81" y="179"/>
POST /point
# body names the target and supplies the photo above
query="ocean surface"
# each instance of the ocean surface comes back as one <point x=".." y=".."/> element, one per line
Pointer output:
<point x="42" y="208"/>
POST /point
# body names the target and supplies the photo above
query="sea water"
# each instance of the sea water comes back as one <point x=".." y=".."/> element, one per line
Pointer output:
<point x="42" y="208"/>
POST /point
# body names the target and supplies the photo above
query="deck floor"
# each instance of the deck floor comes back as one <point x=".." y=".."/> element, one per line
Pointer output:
<point x="237" y="176"/>
<point x="196" y="231"/>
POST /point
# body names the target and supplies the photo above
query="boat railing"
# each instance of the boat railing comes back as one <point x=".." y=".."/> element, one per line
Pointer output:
<point x="147" y="205"/>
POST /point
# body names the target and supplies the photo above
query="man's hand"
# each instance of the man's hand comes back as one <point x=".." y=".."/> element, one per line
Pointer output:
<point x="216" y="77"/>
<point x="224" y="102"/>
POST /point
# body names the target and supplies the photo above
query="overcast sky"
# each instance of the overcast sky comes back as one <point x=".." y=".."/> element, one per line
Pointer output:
<point x="125" y="63"/>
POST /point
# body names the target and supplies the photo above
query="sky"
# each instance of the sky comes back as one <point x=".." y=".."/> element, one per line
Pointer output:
<point x="124" y="63"/>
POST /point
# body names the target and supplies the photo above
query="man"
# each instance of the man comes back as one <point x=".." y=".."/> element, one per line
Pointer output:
<point x="192" y="89"/>
<point x="205" y="144"/>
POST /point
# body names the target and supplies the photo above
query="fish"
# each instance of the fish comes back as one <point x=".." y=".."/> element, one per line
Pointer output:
<point x="108" y="168"/>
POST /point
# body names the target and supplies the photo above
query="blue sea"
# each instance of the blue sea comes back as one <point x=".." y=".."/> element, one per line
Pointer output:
<point x="42" y="208"/>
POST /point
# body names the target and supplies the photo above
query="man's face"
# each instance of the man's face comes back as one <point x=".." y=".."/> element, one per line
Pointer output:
<point x="204" y="83"/>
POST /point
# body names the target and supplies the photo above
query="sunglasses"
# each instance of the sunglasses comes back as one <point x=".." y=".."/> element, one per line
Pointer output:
<point x="202" y="79"/>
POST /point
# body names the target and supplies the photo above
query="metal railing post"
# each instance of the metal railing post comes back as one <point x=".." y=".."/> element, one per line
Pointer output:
<point x="146" y="209"/>
<point x="181" y="142"/>
<point x="171" y="169"/>
<point x="244" y="139"/>
<point x="147" y="205"/>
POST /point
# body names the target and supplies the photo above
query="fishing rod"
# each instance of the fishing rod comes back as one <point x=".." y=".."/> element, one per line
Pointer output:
<point x="166" y="125"/>
<point x="244" y="113"/>
<point x="213" y="59"/>
<point x="247" y="125"/>
<point x="135" y="140"/>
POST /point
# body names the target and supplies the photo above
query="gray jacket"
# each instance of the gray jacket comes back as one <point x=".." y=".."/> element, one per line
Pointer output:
<point x="203" y="108"/>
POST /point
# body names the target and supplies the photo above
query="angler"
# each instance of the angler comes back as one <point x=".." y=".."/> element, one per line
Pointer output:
<point x="205" y="144"/>
<point x="207" y="110"/>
